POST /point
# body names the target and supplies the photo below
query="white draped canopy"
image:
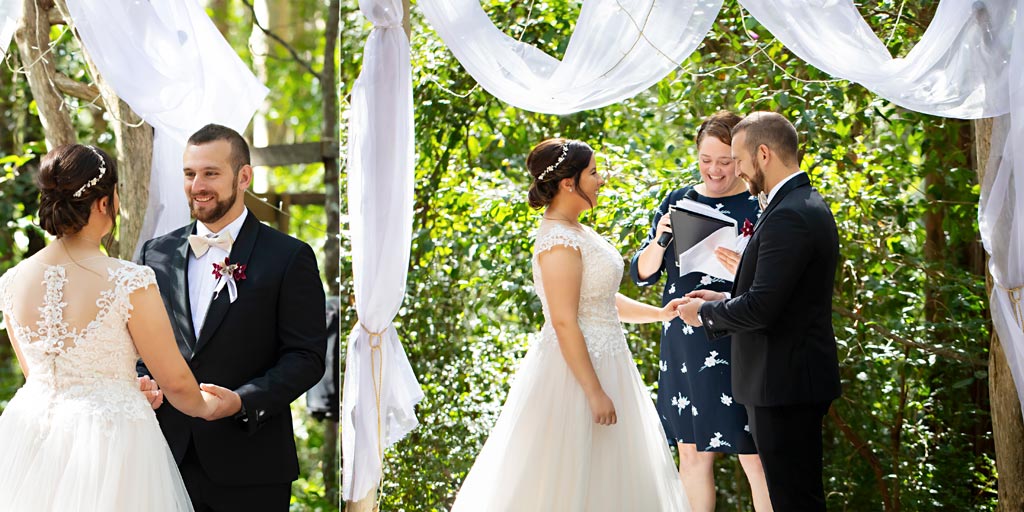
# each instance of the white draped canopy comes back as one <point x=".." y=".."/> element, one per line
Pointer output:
<point x="964" y="66"/>
<point x="171" y="65"/>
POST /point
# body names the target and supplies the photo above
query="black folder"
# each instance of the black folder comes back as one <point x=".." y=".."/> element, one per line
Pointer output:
<point x="689" y="228"/>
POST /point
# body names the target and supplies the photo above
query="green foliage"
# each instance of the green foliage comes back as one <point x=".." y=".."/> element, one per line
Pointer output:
<point x="913" y="426"/>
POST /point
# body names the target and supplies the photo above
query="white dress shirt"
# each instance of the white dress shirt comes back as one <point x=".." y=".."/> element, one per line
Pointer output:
<point x="201" y="281"/>
<point x="775" y="189"/>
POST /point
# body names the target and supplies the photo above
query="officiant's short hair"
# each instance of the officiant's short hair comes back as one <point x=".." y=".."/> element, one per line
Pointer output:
<point x="772" y="130"/>
<point x="214" y="132"/>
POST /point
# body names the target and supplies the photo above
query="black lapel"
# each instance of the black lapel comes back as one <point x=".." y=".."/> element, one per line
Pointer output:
<point x="797" y="181"/>
<point x="182" y="308"/>
<point x="241" y="250"/>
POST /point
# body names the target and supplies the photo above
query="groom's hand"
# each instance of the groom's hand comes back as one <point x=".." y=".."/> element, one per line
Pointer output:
<point x="688" y="311"/>
<point x="153" y="393"/>
<point x="229" y="405"/>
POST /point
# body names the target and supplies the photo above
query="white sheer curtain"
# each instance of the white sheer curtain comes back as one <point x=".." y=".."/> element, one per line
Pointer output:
<point x="619" y="48"/>
<point x="168" y="62"/>
<point x="1001" y="216"/>
<point x="10" y="13"/>
<point x="380" y="389"/>
<point x="959" y="68"/>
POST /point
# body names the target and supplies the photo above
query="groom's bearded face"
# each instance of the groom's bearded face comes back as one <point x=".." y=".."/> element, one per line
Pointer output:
<point x="755" y="183"/>
<point x="211" y="183"/>
<point x="212" y="211"/>
<point x="747" y="166"/>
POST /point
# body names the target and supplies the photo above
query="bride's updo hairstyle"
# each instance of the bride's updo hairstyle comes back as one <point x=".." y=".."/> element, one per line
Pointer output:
<point x="71" y="178"/>
<point x="552" y="161"/>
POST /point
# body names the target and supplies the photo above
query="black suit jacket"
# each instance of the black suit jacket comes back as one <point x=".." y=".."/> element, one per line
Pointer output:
<point x="780" y="316"/>
<point x="268" y="346"/>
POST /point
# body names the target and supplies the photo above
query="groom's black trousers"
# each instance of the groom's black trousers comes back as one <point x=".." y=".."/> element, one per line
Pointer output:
<point x="208" y="496"/>
<point x="788" y="440"/>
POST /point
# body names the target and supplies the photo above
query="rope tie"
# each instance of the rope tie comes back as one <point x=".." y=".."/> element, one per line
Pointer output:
<point x="377" y="375"/>
<point x="1016" y="299"/>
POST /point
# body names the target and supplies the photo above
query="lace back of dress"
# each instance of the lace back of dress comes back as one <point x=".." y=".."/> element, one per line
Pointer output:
<point x="56" y="305"/>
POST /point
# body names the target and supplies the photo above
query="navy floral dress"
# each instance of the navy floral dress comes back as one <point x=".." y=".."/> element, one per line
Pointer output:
<point x="694" y="387"/>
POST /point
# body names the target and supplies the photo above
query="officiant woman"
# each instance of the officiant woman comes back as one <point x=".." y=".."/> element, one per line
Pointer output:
<point x="694" y="391"/>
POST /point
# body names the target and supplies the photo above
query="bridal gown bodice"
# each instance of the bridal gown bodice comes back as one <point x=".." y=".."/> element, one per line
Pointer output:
<point x="602" y="273"/>
<point x="80" y="423"/>
<point x="90" y="368"/>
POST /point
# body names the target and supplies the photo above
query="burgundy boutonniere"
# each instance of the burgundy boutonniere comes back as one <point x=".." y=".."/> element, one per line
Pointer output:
<point x="748" y="228"/>
<point x="234" y="271"/>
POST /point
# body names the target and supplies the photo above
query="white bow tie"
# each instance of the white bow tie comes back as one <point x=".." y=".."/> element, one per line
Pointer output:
<point x="201" y="244"/>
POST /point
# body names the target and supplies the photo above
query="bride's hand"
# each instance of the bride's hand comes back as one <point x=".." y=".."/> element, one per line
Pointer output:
<point x="670" y="312"/>
<point x="602" y="409"/>
<point x="228" y="402"/>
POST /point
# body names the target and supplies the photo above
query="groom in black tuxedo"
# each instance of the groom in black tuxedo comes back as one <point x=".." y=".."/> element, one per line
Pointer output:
<point x="785" y="369"/>
<point x="256" y="328"/>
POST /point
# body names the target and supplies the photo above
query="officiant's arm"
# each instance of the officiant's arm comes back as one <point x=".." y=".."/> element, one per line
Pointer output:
<point x="302" y="335"/>
<point x="785" y="247"/>
<point x="561" y="269"/>
<point x="647" y="264"/>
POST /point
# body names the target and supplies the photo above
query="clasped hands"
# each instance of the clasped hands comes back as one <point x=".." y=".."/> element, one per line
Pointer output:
<point x="689" y="305"/>
<point x="221" y="402"/>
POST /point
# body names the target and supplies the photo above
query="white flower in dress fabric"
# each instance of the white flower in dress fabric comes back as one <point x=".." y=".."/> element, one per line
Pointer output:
<point x="687" y="329"/>
<point x="662" y="366"/>
<point x="717" y="441"/>
<point x="726" y="400"/>
<point x="706" y="280"/>
<point x="694" y="409"/>
<point x="680" y="402"/>
<point x="672" y="289"/>
<point x="719" y="206"/>
<point x="712" y="360"/>
<point x="665" y="325"/>
<point x="746" y="428"/>
<point x="683" y="368"/>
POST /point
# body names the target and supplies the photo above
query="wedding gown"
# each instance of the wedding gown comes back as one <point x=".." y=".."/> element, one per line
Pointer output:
<point x="546" y="452"/>
<point x="79" y="435"/>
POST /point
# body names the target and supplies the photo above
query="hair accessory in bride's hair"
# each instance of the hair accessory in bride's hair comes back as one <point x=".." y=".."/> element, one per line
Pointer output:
<point x="552" y="167"/>
<point x="94" y="181"/>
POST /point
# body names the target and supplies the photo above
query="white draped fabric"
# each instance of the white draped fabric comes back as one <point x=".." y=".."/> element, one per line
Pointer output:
<point x="1001" y="216"/>
<point x="168" y="61"/>
<point x="962" y="67"/>
<point x="10" y="13"/>
<point x="957" y="69"/>
<point x="380" y="390"/>
<point x="619" y="49"/>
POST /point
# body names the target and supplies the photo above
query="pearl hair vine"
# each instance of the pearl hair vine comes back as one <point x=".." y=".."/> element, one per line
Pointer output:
<point x="94" y="181"/>
<point x="552" y="167"/>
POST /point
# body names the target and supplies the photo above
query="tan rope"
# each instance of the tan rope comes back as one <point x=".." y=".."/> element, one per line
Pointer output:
<point x="1016" y="298"/>
<point x="377" y="375"/>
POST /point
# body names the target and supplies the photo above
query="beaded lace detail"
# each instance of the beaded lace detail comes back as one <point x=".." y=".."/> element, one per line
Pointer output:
<point x="86" y="371"/>
<point x="602" y="274"/>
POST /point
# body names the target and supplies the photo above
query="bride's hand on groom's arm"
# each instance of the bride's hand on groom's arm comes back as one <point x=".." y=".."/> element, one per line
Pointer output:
<point x="221" y="402"/>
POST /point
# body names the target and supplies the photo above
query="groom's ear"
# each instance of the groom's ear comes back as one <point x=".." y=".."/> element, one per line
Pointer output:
<point x="764" y="153"/>
<point x="244" y="177"/>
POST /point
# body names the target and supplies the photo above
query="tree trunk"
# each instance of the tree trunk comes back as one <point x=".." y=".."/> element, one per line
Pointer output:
<point x="33" y="39"/>
<point x="1007" y="422"/>
<point x="332" y="207"/>
<point x="134" y="143"/>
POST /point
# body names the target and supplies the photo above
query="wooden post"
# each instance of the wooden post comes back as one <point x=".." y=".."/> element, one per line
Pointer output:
<point x="332" y="208"/>
<point x="1007" y="422"/>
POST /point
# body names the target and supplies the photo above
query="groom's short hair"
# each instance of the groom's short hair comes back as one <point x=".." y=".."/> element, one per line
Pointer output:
<point x="214" y="132"/>
<point x="772" y="130"/>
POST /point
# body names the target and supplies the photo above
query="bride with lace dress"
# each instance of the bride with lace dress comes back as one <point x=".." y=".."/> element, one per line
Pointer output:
<point x="578" y="431"/>
<point x="79" y="435"/>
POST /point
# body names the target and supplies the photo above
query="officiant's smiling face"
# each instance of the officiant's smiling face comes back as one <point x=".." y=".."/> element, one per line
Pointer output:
<point x="717" y="169"/>
<point x="212" y="185"/>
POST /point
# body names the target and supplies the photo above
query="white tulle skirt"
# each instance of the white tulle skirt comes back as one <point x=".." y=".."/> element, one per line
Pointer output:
<point x="69" y="455"/>
<point x="546" y="453"/>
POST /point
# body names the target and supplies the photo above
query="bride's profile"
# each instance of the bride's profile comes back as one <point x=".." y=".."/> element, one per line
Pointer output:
<point x="578" y="431"/>
<point x="79" y="435"/>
